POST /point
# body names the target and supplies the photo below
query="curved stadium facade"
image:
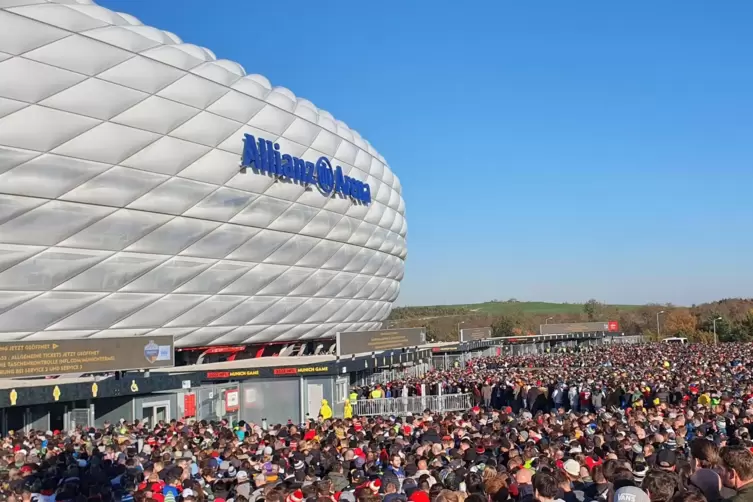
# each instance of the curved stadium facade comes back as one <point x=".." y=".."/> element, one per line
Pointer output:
<point x="148" y="188"/>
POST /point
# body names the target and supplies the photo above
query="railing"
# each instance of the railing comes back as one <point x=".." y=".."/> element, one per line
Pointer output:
<point x="401" y="406"/>
<point x="392" y="375"/>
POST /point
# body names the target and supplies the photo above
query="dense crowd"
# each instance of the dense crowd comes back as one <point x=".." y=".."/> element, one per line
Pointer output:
<point x="648" y="423"/>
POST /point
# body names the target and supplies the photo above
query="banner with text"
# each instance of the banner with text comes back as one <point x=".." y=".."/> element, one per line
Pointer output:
<point x="475" y="334"/>
<point x="358" y="342"/>
<point x="89" y="355"/>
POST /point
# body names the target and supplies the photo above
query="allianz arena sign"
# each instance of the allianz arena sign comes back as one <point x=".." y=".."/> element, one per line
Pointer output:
<point x="123" y="211"/>
<point x="264" y="157"/>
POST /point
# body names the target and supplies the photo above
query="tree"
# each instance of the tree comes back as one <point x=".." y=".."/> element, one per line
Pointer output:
<point x="502" y="326"/>
<point x="723" y="326"/>
<point x="680" y="322"/>
<point x="743" y="329"/>
<point x="593" y="309"/>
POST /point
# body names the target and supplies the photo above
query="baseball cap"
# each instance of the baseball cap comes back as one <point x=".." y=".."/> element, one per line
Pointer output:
<point x="631" y="494"/>
<point x="666" y="459"/>
<point x="572" y="467"/>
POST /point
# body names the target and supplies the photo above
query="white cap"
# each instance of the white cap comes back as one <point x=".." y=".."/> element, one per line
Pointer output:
<point x="241" y="476"/>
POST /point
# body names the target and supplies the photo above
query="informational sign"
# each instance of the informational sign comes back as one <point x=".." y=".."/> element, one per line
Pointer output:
<point x="232" y="400"/>
<point x="270" y="372"/>
<point x="89" y="355"/>
<point x="578" y="327"/>
<point x="474" y="334"/>
<point x="189" y="405"/>
<point x="357" y="342"/>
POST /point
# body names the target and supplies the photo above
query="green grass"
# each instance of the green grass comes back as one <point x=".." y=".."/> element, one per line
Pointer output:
<point x="536" y="308"/>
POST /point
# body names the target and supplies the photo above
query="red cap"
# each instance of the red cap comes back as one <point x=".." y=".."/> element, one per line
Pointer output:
<point x="375" y="485"/>
<point x="296" y="496"/>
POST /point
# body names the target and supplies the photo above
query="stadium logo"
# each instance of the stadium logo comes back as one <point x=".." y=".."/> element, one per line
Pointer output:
<point x="264" y="157"/>
<point x="151" y="352"/>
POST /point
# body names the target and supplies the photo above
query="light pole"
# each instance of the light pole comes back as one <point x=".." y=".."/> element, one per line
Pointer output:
<point x="546" y="321"/>
<point x="658" y="330"/>
<point x="716" y="319"/>
<point x="460" y="335"/>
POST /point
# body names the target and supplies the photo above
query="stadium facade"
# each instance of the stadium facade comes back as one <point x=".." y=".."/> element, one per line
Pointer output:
<point x="148" y="188"/>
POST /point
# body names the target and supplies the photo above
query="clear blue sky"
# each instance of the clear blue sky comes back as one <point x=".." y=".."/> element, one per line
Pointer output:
<point x="548" y="150"/>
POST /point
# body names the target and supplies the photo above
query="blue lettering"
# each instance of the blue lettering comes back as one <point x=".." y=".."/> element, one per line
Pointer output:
<point x="288" y="167"/>
<point x="274" y="168"/>
<point x="250" y="152"/>
<point x="356" y="189"/>
<point x="310" y="173"/>
<point x="324" y="176"/>
<point x="300" y="170"/>
<point x="263" y="164"/>
<point x="339" y="182"/>
<point x="347" y="186"/>
<point x="276" y="158"/>
<point x="265" y="157"/>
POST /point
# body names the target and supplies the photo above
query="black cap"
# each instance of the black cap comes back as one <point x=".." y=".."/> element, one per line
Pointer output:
<point x="666" y="459"/>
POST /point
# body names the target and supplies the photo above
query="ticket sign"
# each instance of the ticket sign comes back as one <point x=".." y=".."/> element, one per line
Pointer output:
<point x="358" y="342"/>
<point x="474" y="334"/>
<point x="91" y="355"/>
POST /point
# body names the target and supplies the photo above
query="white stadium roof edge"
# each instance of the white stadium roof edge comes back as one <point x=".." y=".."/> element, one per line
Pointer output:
<point x="123" y="211"/>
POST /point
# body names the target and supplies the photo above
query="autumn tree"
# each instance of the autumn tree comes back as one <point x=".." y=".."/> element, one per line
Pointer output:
<point x="680" y="322"/>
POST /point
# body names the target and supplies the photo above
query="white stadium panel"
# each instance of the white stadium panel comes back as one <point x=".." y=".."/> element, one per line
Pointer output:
<point x="125" y="210"/>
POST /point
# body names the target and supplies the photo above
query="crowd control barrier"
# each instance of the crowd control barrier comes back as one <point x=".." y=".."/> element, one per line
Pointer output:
<point x="401" y="406"/>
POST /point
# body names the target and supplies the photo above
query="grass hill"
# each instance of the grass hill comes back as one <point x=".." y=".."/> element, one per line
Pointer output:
<point x="540" y="308"/>
<point x="496" y="308"/>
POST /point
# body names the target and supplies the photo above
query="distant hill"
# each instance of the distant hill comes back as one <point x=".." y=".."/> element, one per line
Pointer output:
<point x="731" y="318"/>
<point x="496" y="308"/>
<point x="541" y="308"/>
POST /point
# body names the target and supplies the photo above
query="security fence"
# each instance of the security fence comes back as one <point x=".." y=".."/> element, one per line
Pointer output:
<point x="449" y="361"/>
<point x="392" y="375"/>
<point x="401" y="406"/>
<point x="625" y="339"/>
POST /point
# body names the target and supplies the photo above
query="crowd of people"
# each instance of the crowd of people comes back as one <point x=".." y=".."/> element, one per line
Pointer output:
<point x="639" y="423"/>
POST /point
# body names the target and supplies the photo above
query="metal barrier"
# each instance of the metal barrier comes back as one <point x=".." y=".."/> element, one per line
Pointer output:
<point x="401" y="406"/>
<point x="386" y="376"/>
<point x="625" y="339"/>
